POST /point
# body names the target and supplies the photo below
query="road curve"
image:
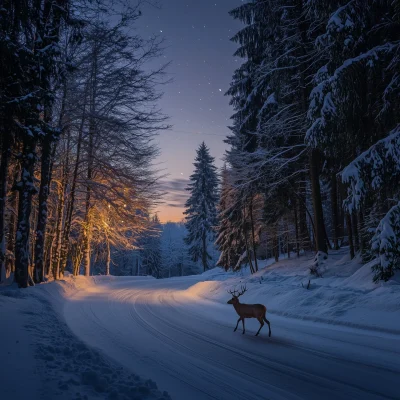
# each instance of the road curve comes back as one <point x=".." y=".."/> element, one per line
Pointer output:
<point x="187" y="345"/>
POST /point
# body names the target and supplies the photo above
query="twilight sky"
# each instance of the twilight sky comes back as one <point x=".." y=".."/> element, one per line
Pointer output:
<point x="196" y="34"/>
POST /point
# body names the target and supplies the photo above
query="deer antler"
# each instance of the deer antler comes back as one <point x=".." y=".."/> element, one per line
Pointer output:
<point x="243" y="289"/>
<point x="236" y="293"/>
<point x="232" y="292"/>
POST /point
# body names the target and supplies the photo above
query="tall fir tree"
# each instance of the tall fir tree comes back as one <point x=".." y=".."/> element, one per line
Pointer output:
<point x="201" y="207"/>
<point x="229" y="234"/>
<point x="354" y="121"/>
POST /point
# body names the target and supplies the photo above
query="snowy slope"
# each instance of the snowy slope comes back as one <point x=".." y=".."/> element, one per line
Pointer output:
<point x="345" y="294"/>
<point x="41" y="359"/>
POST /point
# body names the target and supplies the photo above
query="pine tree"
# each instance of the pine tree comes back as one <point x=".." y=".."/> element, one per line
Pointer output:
<point x="354" y="116"/>
<point x="201" y="207"/>
<point x="229" y="239"/>
<point x="269" y="93"/>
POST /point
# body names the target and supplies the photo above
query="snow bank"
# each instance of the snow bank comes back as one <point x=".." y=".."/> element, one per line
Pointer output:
<point x="345" y="295"/>
<point x="36" y="344"/>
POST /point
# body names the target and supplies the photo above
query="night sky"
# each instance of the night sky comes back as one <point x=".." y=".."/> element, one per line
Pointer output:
<point x="196" y="35"/>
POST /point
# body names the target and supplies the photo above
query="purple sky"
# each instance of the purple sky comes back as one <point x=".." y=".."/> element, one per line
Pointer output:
<point x="196" y="34"/>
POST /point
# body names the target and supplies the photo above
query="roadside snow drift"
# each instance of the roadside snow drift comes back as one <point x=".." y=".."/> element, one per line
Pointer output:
<point x="345" y="295"/>
<point x="179" y="332"/>
<point x="40" y="358"/>
<point x="338" y="339"/>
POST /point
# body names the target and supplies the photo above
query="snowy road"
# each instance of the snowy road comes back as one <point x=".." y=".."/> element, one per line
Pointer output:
<point x="187" y="345"/>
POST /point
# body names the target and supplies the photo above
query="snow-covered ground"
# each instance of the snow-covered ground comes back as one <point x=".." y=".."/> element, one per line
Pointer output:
<point x="40" y="358"/>
<point x="339" y="339"/>
<point x="345" y="295"/>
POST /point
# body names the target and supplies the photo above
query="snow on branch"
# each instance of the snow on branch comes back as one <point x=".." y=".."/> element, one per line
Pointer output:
<point x="386" y="244"/>
<point x="370" y="168"/>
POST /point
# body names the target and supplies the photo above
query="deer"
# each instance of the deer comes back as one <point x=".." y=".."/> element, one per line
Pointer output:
<point x="248" y="310"/>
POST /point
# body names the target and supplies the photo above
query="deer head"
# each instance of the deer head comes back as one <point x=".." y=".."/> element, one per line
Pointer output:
<point x="236" y="294"/>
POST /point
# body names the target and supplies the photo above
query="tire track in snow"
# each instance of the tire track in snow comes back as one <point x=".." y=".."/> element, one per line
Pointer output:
<point x="270" y="364"/>
<point x="183" y="345"/>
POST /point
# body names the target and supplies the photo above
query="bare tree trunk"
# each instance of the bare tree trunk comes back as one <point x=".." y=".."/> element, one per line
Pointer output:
<point x="335" y="217"/>
<point x="253" y="235"/>
<point x="248" y="252"/>
<point x="12" y="224"/>
<point x="354" y="223"/>
<point x="350" y="234"/>
<point x="276" y="245"/>
<point x="296" y="224"/>
<point x="48" y="258"/>
<point x="321" y="244"/>
<point x="108" y="260"/>
<point x="87" y="231"/>
<point x="343" y="213"/>
<point x="77" y="259"/>
<point x="328" y="243"/>
<point x="87" y="228"/>
<point x="58" y="232"/>
<point x="71" y="203"/>
<point x="59" y="266"/>
<point x="87" y="239"/>
<point x="5" y="156"/>
<point x="361" y="235"/>
<point x="45" y="178"/>
<point x="26" y="191"/>
<point x="246" y="241"/>
<point x="204" y="252"/>
<point x="303" y="211"/>
<point x="32" y="236"/>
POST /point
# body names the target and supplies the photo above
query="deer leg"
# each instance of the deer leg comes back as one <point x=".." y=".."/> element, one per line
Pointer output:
<point x="243" y="326"/>
<point x="261" y="325"/>
<point x="237" y="324"/>
<point x="269" y="326"/>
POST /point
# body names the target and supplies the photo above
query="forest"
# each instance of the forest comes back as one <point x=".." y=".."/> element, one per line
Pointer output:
<point x="314" y="151"/>
<point x="176" y="175"/>
<point x="78" y="113"/>
<point x="313" y="158"/>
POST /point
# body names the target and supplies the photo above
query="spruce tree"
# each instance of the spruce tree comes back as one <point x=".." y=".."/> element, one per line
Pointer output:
<point x="354" y="120"/>
<point x="201" y="207"/>
<point x="229" y="233"/>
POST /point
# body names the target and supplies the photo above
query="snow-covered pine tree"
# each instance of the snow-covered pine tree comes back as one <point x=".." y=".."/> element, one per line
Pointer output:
<point x="269" y="93"/>
<point x="373" y="179"/>
<point x="354" y="112"/>
<point x="201" y="207"/>
<point x="251" y="97"/>
<point x="229" y="237"/>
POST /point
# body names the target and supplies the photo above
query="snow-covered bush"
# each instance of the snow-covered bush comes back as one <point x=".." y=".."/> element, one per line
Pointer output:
<point x="386" y="243"/>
